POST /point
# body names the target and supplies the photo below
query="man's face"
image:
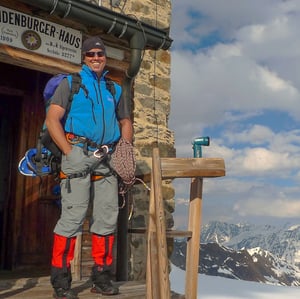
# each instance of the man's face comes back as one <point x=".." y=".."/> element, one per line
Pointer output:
<point x="96" y="60"/>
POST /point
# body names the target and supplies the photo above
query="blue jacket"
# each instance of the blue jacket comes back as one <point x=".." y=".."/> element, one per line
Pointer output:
<point x="93" y="115"/>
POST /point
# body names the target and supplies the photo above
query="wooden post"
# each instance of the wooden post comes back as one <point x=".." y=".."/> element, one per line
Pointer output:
<point x="157" y="241"/>
<point x="122" y="242"/>
<point x="76" y="263"/>
<point x="193" y="243"/>
<point x="157" y="276"/>
<point x="152" y="282"/>
<point x="194" y="225"/>
<point x="163" y="262"/>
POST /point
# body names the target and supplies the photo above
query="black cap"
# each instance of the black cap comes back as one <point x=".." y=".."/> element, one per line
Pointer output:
<point x="93" y="42"/>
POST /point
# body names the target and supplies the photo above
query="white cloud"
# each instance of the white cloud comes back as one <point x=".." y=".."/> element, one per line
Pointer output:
<point x="221" y="80"/>
<point x="261" y="160"/>
<point x="224" y="88"/>
<point x="256" y="134"/>
<point x="280" y="208"/>
<point x="224" y="18"/>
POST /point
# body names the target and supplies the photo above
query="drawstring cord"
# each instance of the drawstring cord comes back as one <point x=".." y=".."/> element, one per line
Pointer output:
<point x="123" y="190"/>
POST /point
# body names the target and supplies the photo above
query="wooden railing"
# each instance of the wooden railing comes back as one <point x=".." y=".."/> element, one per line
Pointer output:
<point x="157" y="275"/>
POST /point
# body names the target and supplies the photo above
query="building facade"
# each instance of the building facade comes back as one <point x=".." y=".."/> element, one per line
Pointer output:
<point x="40" y="38"/>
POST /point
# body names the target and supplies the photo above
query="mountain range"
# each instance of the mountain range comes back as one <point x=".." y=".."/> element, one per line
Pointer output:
<point x="283" y="242"/>
<point x="267" y="254"/>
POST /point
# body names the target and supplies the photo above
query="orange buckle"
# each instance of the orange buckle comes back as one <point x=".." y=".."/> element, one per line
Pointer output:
<point x="71" y="138"/>
<point x="95" y="177"/>
<point x="62" y="175"/>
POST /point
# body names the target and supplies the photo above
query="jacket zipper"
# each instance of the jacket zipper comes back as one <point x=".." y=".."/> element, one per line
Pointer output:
<point x="99" y="96"/>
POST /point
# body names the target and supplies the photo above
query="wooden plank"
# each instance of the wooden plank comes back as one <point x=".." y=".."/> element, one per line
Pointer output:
<point x="32" y="60"/>
<point x="160" y="222"/>
<point x="154" y="285"/>
<point x="184" y="168"/>
<point x="179" y="233"/>
<point x="40" y="288"/>
<point x="192" y="167"/>
<point x="15" y="5"/>
<point x="152" y="266"/>
<point x="76" y="263"/>
<point x="169" y="233"/>
<point x="193" y="244"/>
<point x="17" y="205"/>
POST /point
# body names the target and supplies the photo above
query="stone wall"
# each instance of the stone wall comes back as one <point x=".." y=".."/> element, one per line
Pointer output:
<point x="151" y="115"/>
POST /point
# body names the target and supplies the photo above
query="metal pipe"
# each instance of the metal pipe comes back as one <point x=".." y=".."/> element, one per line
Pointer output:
<point x="114" y="23"/>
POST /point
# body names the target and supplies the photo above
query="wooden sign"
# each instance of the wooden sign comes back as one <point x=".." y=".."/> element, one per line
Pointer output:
<point x="27" y="32"/>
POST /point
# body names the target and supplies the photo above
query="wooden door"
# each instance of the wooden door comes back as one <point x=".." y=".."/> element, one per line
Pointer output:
<point x="9" y="117"/>
<point x="28" y="210"/>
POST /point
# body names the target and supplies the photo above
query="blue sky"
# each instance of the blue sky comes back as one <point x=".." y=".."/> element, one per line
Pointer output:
<point x="235" y="77"/>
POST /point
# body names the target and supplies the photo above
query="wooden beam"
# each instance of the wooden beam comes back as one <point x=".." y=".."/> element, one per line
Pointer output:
<point x="184" y="168"/>
<point x="35" y="61"/>
<point x="47" y="64"/>
<point x="152" y="282"/>
<point x="192" y="167"/>
<point x="160" y="222"/>
<point x="169" y="233"/>
<point x="193" y="244"/>
<point x="158" y="284"/>
<point x="76" y="262"/>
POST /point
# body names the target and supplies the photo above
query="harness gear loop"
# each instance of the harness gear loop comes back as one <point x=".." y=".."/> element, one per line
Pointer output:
<point x="104" y="152"/>
<point x="94" y="176"/>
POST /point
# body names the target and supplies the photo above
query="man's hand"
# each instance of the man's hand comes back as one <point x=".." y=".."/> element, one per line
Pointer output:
<point x="55" y="128"/>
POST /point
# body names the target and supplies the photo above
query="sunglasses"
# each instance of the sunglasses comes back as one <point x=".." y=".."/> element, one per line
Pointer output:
<point x="93" y="54"/>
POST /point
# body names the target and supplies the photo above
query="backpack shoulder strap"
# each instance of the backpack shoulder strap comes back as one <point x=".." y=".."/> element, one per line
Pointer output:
<point x="75" y="87"/>
<point x="110" y="86"/>
<point x="75" y="83"/>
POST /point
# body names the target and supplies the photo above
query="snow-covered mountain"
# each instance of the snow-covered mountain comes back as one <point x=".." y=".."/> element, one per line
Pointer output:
<point x="213" y="287"/>
<point x="266" y="253"/>
<point x="252" y="265"/>
<point x="283" y="242"/>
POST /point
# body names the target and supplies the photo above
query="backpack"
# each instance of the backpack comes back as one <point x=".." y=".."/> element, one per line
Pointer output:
<point x="46" y="157"/>
<point x="47" y="152"/>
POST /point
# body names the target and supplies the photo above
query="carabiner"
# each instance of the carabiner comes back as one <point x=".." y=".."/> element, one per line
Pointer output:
<point x="100" y="152"/>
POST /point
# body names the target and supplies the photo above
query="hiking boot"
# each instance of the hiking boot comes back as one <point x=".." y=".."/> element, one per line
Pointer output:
<point x="102" y="283"/>
<point x="64" y="294"/>
<point x="105" y="289"/>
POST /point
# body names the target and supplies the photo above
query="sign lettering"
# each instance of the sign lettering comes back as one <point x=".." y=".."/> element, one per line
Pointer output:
<point x="30" y="33"/>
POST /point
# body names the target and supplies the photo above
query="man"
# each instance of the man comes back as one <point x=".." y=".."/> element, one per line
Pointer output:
<point x="96" y="121"/>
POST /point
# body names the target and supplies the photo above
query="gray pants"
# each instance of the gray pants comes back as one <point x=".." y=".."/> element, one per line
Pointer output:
<point x="103" y="195"/>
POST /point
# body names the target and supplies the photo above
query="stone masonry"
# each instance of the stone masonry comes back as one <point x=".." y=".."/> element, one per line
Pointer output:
<point x="151" y="114"/>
